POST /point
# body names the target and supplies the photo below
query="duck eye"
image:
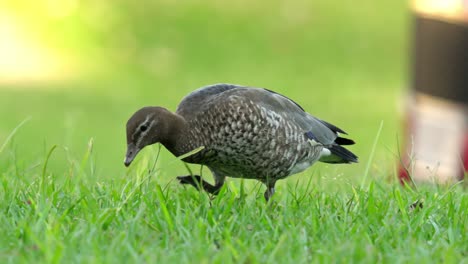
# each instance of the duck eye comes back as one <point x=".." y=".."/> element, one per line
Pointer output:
<point x="143" y="128"/>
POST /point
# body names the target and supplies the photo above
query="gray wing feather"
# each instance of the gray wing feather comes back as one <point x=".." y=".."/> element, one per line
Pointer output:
<point x="196" y="100"/>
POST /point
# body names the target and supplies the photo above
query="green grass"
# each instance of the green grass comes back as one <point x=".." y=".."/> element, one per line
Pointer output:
<point x="79" y="218"/>
<point x="342" y="61"/>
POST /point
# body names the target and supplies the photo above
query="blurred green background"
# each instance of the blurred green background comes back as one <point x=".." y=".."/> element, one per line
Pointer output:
<point x="79" y="69"/>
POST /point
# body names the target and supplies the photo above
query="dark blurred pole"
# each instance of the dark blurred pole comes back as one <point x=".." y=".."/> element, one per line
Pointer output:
<point x="436" y="143"/>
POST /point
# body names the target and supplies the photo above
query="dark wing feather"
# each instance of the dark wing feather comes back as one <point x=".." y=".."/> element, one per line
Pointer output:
<point x="339" y="155"/>
<point x="333" y="127"/>
<point x="344" y="141"/>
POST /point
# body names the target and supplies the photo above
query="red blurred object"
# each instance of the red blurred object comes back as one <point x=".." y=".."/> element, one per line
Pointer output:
<point x="435" y="147"/>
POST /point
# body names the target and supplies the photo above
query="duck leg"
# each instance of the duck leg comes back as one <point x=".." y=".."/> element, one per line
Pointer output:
<point x="200" y="184"/>
<point x="270" y="190"/>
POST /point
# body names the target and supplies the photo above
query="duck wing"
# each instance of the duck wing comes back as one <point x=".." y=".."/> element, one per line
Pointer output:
<point x="197" y="100"/>
<point x="313" y="127"/>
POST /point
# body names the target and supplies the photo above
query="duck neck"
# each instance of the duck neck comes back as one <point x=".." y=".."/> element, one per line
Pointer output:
<point x="176" y="133"/>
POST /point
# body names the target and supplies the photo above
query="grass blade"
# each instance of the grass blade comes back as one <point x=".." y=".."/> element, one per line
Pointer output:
<point x="371" y="157"/>
<point x="188" y="154"/>
<point x="15" y="130"/>
<point x="44" y="170"/>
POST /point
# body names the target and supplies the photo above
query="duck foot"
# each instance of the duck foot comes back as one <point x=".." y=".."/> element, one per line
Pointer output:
<point x="269" y="193"/>
<point x="200" y="184"/>
<point x="270" y="190"/>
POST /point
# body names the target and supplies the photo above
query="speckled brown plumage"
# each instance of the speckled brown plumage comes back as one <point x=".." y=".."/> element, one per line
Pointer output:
<point x="246" y="133"/>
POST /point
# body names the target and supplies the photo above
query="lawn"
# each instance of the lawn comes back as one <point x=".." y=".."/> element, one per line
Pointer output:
<point x="138" y="220"/>
<point x="66" y="196"/>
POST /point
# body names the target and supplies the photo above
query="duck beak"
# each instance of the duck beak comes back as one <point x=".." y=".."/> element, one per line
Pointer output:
<point x="132" y="151"/>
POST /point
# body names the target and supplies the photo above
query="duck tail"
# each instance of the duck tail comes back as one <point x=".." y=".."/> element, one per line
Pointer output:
<point x="339" y="154"/>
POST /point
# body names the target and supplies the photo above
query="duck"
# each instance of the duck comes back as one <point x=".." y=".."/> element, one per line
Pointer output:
<point x="240" y="132"/>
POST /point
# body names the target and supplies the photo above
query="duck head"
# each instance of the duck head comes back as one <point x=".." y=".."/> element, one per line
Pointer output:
<point x="147" y="126"/>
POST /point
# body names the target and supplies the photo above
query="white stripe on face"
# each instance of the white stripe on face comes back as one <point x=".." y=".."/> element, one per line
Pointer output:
<point x="144" y="133"/>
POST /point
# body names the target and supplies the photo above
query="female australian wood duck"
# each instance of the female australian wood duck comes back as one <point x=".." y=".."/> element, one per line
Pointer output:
<point x="250" y="133"/>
